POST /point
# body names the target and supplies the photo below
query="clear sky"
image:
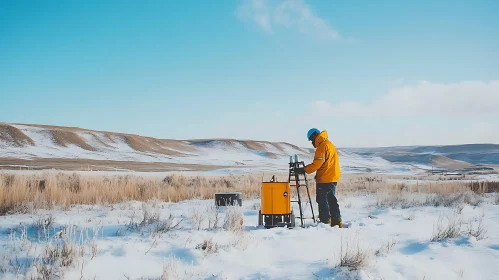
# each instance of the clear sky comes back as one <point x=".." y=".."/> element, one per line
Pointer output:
<point x="371" y="73"/>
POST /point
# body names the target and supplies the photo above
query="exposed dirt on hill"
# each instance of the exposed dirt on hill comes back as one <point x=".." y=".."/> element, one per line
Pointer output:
<point x="145" y="144"/>
<point x="14" y="136"/>
<point x="445" y="162"/>
<point x="100" y="141"/>
<point x="65" y="138"/>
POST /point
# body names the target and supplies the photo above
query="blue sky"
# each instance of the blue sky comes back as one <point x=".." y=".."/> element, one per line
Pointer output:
<point x="372" y="73"/>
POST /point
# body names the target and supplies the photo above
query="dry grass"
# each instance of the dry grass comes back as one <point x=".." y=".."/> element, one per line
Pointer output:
<point x="405" y="200"/>
<point x="451" y="230"/>
<point x="24" y="193"/>
<point x="151" y="221"/>
<point x="172" y="269"/>
<point x="375" y="184"/>
<point x="209" y="246"/>
<point x="385" y="248"/>
<point x="420" y="184"/>
<point x="484" y="187"/>
<point x="51" y="255"/>
<point x="233" y="219"/>
<point x="476" y="228"/>
<point x="352" y="255"/>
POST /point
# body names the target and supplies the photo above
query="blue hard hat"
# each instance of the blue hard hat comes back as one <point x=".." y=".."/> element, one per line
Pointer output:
<point x="311" y="132"/>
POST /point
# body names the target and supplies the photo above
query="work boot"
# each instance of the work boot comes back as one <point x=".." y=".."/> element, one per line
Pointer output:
<point x="336" y="222"/>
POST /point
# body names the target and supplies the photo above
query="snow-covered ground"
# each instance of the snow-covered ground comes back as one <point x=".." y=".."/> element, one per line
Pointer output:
<point x="396" y="242"/>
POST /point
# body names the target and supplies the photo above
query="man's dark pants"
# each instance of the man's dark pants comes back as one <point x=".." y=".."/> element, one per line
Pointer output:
<point x="328" y="204"/>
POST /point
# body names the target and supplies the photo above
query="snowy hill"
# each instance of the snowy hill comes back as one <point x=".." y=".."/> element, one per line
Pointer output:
<point x="452" y="156"/>
<point x="70" y="148"/>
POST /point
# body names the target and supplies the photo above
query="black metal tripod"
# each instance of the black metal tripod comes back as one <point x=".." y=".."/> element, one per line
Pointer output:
<point x="299" y="182"/>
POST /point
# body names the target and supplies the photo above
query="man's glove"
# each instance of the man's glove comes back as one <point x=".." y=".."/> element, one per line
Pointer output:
<point x="299" y="170"/>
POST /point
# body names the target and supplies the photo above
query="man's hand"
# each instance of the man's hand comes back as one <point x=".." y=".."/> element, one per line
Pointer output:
<point x="299" y="170"/>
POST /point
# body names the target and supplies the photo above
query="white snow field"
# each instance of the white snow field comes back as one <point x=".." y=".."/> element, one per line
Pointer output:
<point x="390" y="237"/>
<point x="236" y="156"/>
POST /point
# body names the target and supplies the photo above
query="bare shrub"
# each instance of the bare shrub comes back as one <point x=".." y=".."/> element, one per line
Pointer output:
<point x="472" y="199"/>
<point x="411" y="217"/>
<point x="63" y="251"/>
<point x="167" y="225"/>
<point x="197" y="216"/>
<point x="59" y="254"/>
<point x="151" y="214"/>
<point x="476" y="228"/>
<point x="496" y="200"/>
<point x="209" y="246"/>
<point x="43" y="222"/>
<point x="348" y="204"/>
<point x="241" y="240"/>
<point x="385" y="248"/>
<point x="451" y="230"/>
<point x="213" y="217"/>
<point x="352" y="256"/>
<point x="449" y="200"/>
<point x="151" y="221"/>
<point x="257" y="206"/>
<point x="172" y="269"/>
<point x="233" y="219"/>
<point x="394" y="200"/>
<point x="459" y="209"/>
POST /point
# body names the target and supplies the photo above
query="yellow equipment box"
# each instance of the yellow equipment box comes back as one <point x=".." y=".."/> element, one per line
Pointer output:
<point x="276" y="205"/>
<point x="275" y="198"/>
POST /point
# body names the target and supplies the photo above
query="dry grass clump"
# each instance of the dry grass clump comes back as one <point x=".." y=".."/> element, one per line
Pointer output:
<point x="151" y="221"/>
<point x="476" y="228"/>
<point x="484" y="187"/>
<point x="233" y="219"/>
<point x="405" y="200"/>
<point x="209" y="246"/>
<point x="453" y="228"/>
<point x="375" y="184"/>
<point x="172" y="269"/>
<point x="240" y="241"/>
<point x="21" y="193"/>
<point x="352" y="255"/>
<point x="385" y="248"/>
<point x="368" y="184"/>
<point x="51" y="254"/>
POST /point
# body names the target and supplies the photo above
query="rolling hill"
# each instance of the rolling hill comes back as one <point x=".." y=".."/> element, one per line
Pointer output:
<point x="456" y="156"/>
<point x="70" y="148"/>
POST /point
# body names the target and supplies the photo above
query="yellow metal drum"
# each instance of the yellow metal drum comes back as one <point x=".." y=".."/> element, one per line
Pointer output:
<point x="275" y="198"/>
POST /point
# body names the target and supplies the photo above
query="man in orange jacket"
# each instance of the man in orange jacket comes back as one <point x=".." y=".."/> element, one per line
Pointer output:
<point x="327" y="166"/>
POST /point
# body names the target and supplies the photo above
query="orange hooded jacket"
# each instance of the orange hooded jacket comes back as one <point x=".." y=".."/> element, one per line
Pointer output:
<point x="326" y="161"/>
